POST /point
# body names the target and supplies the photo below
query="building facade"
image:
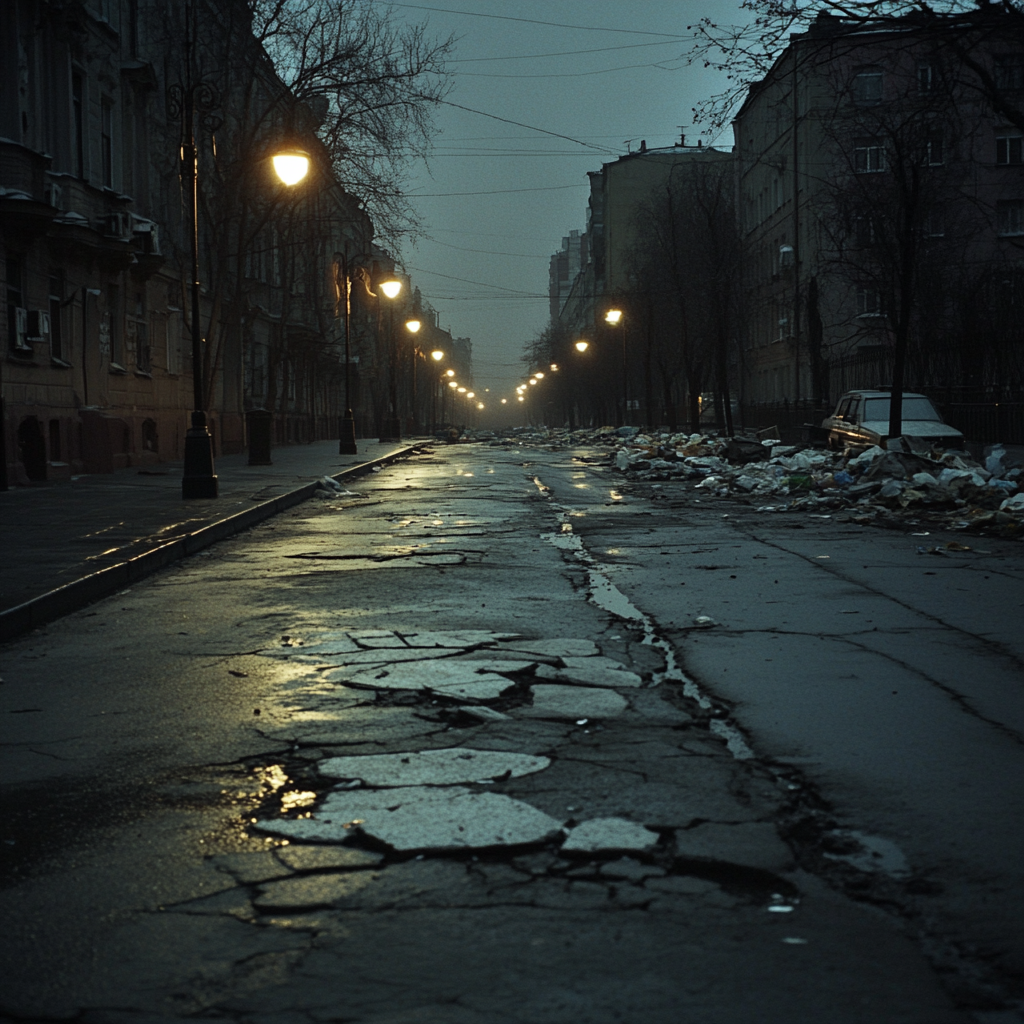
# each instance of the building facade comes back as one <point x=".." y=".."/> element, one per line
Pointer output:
<point x="95" y="242"/>
<point x="881" y="196"/>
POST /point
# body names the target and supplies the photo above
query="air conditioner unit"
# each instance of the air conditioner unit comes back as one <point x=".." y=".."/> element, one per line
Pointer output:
<point x="54" y="195"/>
<point x="147" y="236"/>
<point x="21" y="342"/>
<point x="118" y="225"/>
<point x="38" y="325"/>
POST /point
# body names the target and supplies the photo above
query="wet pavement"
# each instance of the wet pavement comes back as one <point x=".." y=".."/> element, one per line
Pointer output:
<point x="54" y="534"/>
<point x="504" y="739"/>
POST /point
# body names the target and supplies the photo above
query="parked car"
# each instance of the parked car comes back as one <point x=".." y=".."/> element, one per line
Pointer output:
<point x="861" y="419"/>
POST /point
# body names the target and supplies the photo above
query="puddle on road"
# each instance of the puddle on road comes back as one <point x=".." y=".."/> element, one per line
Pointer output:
<point x="868" y="853"/>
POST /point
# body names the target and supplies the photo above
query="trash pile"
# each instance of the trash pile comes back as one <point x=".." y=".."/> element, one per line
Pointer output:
<point x="948" y="487"/>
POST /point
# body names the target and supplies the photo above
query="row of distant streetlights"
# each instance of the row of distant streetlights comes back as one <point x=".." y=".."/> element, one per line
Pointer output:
<point x="291" y="167"/>
<point x="614" y="318"/>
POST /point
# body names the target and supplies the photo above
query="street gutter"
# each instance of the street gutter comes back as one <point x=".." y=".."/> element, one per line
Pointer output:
<point x="61" y="601"/>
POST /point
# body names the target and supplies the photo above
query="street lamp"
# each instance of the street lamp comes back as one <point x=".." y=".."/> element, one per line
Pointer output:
<point x="582" y="346"/>
<point x="392" y="425"/>
<point x="292" y="166"/>
<point x="198" y="477"/>
<point x="413" y="326"/>
<point x="614" y="319"/>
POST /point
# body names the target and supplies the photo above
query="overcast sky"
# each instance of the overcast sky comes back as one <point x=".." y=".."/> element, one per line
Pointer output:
<point x="498" y="198"/>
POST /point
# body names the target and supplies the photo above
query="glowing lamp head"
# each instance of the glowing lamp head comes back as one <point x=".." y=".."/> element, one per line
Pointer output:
<point x="291" y="166"/>
<point x="470" y="394"/>
<point x="613" y="316"/>
<point x="462" y="391"/>
<point x="504" y="401"/>
<point x="449" y="373"/>
<point x="452" y="384"/>
<point x="554" y="367"/>
<point x="437" y="355"/>
<point x="533" y="380"/>
<point x="521" y="398"/>
<point x="391" y="287"/>
<point x="412" y="326"/>
<point x="479" y="405"/>
<point x="539" y="375"/>
<point x="582" y="346"/>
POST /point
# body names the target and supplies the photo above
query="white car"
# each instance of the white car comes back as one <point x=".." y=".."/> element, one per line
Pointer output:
<point x="861" y="419"/>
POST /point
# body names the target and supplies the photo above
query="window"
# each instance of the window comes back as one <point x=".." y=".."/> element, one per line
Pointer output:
<point x="140" y="328"/>
<point x="78" y="110"/>
<point x="1009" y="72"/>
<point x="173" y="340"/>
<point x="934" y="151"/>
<point x="868" y="157"/>
<point x="867" y="86"/>
<point x="869" y="300"/>
<point x="143" y="362"/>
<point x="15" y="301"/>
<point x="1009" y="147"/>
<point x="56" y="314"/>
<point x="1010" y="217"/>
<point x="865" y="231"/>
<point x="927" y="78"/>
<point x="107" y="141"/>
<point x="935" y="221"/>
<point x="55" y="445"/>
<point x="114" y="314"/>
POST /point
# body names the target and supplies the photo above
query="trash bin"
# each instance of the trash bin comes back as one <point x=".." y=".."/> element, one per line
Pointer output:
<point x="257" y="425"/>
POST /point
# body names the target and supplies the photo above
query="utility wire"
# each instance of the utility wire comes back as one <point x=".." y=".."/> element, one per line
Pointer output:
<point x="573" y="74"/>
<point x="533" y="128"/>
<point x="494" y="192"/>
<point x="534" y="21"/>
<point x="563" y="53"/>
<point x="482" y="284"/>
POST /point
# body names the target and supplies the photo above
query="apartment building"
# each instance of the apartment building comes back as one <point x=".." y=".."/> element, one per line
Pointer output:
<point x="881" y="198"/>
<point x="95" y="339"/>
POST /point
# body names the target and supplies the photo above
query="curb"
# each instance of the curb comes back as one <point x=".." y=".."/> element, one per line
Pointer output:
<point x="61" y="601"/>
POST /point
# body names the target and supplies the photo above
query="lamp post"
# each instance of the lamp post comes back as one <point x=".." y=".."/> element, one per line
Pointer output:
<point x="614" y="319"/>
<point x="198" y="478"/>
<point x="292" y="166"/>
<point x="413" y="326"/>
<point x="392" y="427"/>
<point x="437" y="355"/>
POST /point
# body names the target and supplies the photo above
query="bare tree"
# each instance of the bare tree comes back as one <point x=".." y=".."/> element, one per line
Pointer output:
<point x="745" y="53"/>
<point x="686" y="292"/>
<point x="370" y="86"/>
<point x="345" y="82"/>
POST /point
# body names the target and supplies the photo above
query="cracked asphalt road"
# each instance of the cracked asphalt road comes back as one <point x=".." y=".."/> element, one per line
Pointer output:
<point x="595" y="811"/>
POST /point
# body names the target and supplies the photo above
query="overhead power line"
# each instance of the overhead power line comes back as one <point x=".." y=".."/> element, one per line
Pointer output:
<point x="494" y="192"/>
<point x="534" y="21"/>
<point x="533" y="128"/>
<point x="562" y="53"/>
<point x="482" y="284"/>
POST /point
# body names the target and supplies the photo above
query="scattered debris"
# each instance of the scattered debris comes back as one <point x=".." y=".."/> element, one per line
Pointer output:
<point x="876" y="486"/>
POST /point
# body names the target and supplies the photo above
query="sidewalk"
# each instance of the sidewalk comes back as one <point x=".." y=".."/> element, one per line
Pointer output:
<point x="54" y="535"/>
